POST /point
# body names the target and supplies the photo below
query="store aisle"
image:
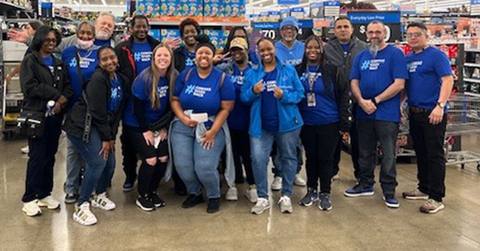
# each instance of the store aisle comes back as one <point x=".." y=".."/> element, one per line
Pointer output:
<point x="353" y="224"/>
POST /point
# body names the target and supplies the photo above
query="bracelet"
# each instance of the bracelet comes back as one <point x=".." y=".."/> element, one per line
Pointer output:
<point x="374" y="102"/>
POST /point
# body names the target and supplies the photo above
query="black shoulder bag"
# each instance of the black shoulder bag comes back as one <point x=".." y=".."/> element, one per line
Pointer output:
<point x="88" y="117"/>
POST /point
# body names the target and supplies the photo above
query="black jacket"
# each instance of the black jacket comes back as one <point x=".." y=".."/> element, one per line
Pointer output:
<point x="180" y="56"/>
<point x="39" y="85"/>
<point x="335" y="55"/>
<point x="98" y="92"/>
<point x="341" y="86"/>
<point x="125" y="56"/>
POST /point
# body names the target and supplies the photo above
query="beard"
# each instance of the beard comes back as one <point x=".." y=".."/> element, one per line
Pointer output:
<point x="240" y="61"/>
<point x="102" y="35"/>
<point x="374" y="47"/>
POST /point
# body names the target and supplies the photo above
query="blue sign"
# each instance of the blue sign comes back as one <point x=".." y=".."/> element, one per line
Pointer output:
<point x="286" y="2"/>
<point x="297" y="9"/>
<point x="331" y="3"/>
<point x="305" y="23"/>
<point x="385" y="17"/>
<point x="264" y="14"/>
<point x="475" y="2"/>
<point x="265" y="26"/>
<point x="285" y="11"/>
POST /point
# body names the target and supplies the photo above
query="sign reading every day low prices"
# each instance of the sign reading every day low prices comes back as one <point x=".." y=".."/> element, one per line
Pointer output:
<point x="391" y="19"/>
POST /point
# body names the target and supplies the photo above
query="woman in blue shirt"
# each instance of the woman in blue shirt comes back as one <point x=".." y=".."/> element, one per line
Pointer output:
<point x="325" y="114"/>
<point x="273" y="91"/>
<point x="81" y="61"/>
<point x="202" y="100"/>
<point x="146" y="117"/>
<point x="92" y="127"/>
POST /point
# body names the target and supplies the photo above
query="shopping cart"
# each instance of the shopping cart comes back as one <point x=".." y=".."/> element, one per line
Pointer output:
<point x="463" y="119"/>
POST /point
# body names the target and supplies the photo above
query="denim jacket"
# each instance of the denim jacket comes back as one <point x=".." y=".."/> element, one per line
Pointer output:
<point x="288" y="113"/>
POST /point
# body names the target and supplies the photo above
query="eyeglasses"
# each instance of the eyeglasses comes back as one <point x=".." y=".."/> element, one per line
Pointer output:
<point x="378" y="33"/>
<point x="290" y="28"/>
<point x="414" y="34"/>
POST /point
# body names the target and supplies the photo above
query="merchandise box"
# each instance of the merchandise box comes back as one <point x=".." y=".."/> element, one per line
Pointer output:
<point x="299" y="13"/>
<point x="189" y="8"/>
<point x="149" y="8"/>
<point x="284" y="13"/>
<point x="213" y="10"/>
<point x="155" y="33"/>
<point x="172" y="33"/>
<point x="317" y="10"/>
<point x="234" y="10"/>
<point x="170" y="8"/>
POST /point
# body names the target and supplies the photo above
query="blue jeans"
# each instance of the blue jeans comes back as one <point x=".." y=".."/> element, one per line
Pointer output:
<point x="75" y="164"/>
<point x="287" y="153"/>
<point x="369" y="133"/>
<point x="98" y="172"/>
<point x="196" y="166"/>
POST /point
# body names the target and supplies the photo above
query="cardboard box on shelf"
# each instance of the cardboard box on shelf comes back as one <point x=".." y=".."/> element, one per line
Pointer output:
<point x="213" y="10"/>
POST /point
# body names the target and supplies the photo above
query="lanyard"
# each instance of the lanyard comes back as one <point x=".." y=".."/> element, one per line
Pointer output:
<point x="311" y="78"/>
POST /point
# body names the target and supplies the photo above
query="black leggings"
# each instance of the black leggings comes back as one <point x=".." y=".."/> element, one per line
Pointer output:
<point x="149" y="176"/>
<point x="241" y="155"/>
<point x="320" y="142"/>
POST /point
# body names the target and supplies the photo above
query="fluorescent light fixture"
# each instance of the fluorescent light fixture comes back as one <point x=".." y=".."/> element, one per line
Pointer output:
<point x="76" y="3"/>
<point x="259" y="2"/>
<point x="104" y="3"/>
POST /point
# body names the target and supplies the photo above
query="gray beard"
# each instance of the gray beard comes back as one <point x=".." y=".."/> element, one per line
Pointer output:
<point x="373" y="48"/>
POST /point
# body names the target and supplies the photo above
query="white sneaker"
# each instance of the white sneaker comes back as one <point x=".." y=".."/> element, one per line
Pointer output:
<point x="49" y="202"/>
<point x="285" y="204"/>
<point x="262" y="205"/>
<point x="252" y="194"/>
<point x="83" y="215"/>
<point x="25" y="149"/>
<point x="232" y="194"/>
<point x="103" y="202"/>
<point x="31" y="208"/>
<point x="299" y="181"/>
<point x="277" y="184"/>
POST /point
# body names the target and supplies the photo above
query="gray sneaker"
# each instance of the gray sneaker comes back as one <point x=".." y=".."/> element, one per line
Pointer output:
<point x="431" y="206"/>
<point x="415" y="194"/>
<point x="262" y="205"/>
<point x="285" y="204"/>
<point x="310" y="197"/>
<point x="325" y="203"/>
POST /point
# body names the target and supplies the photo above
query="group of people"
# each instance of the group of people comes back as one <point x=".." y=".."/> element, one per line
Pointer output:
<point x="185" y="108"/>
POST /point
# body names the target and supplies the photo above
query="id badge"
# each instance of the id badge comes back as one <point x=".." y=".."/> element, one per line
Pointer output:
<point x="311" y="102"/>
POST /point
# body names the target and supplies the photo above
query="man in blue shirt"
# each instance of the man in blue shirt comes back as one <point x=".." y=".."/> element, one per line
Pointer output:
<point x="428" y="89"/>
<point x="134" y="56"/>
<point x="289" y="49"/>
<point x="290" y="52"/>
<point x="341" y="51"/>
<point x="377" y="78"/>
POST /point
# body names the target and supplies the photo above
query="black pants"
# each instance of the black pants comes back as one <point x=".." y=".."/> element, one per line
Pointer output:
<point x="149" y="176"/>
<point x="320" y="143"/>
<point x="39" y="182"/>
<point x="241" y="155"/>
<point x="354" y="152"/>
<point x="129" y="156"/>
<point x="428" y="142"/>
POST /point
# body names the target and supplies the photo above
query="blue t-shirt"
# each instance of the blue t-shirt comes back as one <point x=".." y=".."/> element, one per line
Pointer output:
<point x="239" y="117"/>
<point x="203" y="95"/>
<point x="290" y="56"/>
<point x="48" y="61"/>
<point x="253" y="57"/>
<point x="325" y="110"/>
<point x="190" y="60"/>
<point x="101" y="43"/>
<point x="88" y="63"/>
<point x="141" y="90"/>
<point x="345" y="48"/>
<point x="375" y="76"/>
<point x="270" y="120"/>
<point x="142" y="55"/>
<point x="426" y="70"/>
<point x="116" y="95"/>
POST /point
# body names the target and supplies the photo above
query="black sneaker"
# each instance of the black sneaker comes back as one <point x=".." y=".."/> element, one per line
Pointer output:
<point x="310" y="197"/>
<point x="156" y="200"/>
<point x="192" y="201"/>
<point x="180" y="190"/>
<point x="145" y="203"/>
<point x="213" y="206"/>
<point x="128" y="186"/>
<point x="70" y="198"/>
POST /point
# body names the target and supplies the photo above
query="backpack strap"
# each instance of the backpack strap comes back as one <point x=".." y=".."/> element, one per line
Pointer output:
<point x="188" y="74"/>
<point x="221" y="81"/>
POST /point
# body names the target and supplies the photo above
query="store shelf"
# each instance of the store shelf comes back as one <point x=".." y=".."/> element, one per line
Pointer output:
<point x="472" y="80"/>
<point x="177" y="23"/>
<point x="4" y="6"/>
<point x="472" y="65"/>
<point x="472" y="50"/>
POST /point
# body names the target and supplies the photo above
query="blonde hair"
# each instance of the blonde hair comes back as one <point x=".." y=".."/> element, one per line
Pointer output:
<point x="154" y="74"/>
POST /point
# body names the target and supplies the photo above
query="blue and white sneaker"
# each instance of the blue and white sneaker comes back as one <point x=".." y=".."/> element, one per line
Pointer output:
<point x="391" y="201"/>
<point x="359" y="191"/>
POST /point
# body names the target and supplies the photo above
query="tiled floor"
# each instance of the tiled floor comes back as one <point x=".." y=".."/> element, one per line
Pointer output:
<point x="353" y="224"/>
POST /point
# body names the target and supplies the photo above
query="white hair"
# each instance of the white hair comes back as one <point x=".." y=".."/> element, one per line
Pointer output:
<point x="106" y="13"/>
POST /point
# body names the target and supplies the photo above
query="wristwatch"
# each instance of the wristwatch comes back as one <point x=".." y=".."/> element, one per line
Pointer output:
<point x="442" y="104"/>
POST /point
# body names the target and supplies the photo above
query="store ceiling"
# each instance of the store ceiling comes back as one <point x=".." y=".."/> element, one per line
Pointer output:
<point x="257" y="6"/>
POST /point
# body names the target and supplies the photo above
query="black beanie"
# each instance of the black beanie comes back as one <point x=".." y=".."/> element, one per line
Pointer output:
<point x="204" y="40"/>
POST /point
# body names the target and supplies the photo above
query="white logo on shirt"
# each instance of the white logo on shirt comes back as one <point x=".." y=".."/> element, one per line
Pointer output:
<point x="412" y="66"/>
<point x="162" y="91"/>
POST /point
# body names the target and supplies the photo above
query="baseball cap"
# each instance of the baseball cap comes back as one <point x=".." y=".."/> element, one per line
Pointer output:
<point x="240" y="43"/>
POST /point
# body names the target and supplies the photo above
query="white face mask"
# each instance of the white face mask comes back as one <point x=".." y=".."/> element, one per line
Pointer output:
<point x="84" y="44"/>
